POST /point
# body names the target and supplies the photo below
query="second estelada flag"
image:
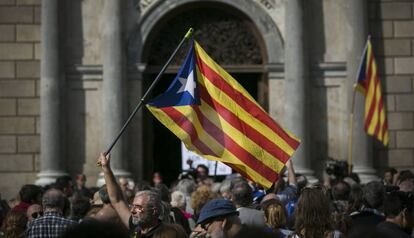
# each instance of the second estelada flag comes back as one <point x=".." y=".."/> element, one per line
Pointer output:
<point x="217" y="118"/>
<point x="370" y="85"/>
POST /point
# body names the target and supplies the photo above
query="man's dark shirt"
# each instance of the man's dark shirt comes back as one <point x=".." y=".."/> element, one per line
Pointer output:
<point x="134" y="229"/>
<point x="180" y="219"/>
<point x="84" y="192"/>
<point x="391" y="230"/>
<point x="51" y="225"/>
<point x="364" y="220"/>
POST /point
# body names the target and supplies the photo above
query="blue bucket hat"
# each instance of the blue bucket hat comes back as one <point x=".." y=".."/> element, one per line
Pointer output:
<point x="216" y="208"/>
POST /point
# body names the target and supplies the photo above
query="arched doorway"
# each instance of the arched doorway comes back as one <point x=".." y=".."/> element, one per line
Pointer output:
<point x="229" y="37"/>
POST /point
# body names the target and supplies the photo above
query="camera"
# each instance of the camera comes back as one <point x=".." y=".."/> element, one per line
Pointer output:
<point x="337" y="169"/>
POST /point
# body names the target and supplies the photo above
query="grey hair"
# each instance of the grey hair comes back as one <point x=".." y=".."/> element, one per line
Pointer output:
<point x="53" y="198"/>
<point x="225" y="186"/>
<point x="186" y="186"/>
<point x="154" y="199"/>
<point x="242" y="194"/>
<point x="178" y="199"/>
<point x="103" y="194"/>
<point x="373" y="193"/>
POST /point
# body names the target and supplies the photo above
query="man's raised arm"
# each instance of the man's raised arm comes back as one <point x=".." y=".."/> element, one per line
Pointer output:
<point x="114" y="191"/>
<point x="291" y="173"/>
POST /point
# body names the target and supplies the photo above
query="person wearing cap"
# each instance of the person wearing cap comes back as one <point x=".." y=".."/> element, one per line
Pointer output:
<point x="219" y="218"/>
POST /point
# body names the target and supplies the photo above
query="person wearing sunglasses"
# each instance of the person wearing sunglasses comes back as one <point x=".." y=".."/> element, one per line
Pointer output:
<point x="34" y="211"/>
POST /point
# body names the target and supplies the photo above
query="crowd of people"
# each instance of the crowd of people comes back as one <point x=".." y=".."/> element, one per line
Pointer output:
<point x="197" y="206"/>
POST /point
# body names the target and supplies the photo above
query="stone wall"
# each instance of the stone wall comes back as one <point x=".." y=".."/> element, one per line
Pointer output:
<point x="19" y="93"/>
<point x="391" y="24"/>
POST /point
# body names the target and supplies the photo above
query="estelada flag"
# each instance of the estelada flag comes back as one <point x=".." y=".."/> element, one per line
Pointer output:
<point x="370" y="85"/>
<point x="216" y="117"/>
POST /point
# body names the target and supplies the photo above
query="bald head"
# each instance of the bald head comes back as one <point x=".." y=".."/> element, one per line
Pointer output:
<point x="53" y="199"/>
<point x="123" y="182"/>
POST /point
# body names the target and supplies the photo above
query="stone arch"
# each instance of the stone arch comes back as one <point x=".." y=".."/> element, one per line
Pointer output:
<point x="265" y="26"/>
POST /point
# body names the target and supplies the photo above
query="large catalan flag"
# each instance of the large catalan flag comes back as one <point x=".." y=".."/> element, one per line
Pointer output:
<point x="370" y="85"/>
<point x="215" y="117"/>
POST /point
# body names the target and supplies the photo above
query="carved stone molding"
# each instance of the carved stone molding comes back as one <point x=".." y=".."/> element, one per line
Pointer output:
<point x="228" y="39"/>
<point x="144" y="5"/>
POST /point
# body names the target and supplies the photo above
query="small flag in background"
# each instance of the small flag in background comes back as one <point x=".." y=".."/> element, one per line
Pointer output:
<point x="370" y="85"/>
<point x="216" y="117"/>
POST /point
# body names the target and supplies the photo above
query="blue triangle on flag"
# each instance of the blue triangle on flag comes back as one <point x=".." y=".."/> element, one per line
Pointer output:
<point x="183" y="90"/>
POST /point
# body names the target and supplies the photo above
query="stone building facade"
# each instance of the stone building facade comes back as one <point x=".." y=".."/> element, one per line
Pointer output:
<point x="71" y="72"/>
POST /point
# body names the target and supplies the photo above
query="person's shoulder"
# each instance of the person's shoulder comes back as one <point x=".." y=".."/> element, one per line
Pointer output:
<point x="248" y="211"/>
<point x="37" y="221"/>
<point x="68" y="221"/>
<point x="391" y="230"/>
<point x="59" y="219"/>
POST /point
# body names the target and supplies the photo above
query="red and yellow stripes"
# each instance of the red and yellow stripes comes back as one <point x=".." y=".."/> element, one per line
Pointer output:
<point x="229" y="125"/>
<point x="375" y="114"/>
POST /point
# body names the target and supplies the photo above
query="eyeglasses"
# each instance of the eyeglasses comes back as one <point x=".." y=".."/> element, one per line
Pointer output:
<point x="139" y="208"/>
<point x="205" y="226"/>
<point x="37" y="214"/>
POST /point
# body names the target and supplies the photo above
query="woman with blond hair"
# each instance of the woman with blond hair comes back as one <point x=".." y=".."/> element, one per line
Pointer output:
<point x="275" y="217"/>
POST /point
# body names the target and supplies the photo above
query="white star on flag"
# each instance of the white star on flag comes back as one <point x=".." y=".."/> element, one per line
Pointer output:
<point x="188" y="84"/>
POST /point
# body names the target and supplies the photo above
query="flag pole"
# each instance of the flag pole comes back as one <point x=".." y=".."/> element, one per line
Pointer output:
<point x="351" y="130"/>
<point x="215" y="170"/>
<point x="351" y="117"/>
<point x="139" y="105"/>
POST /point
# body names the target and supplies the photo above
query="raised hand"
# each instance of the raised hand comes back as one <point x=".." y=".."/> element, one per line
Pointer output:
<point x="103" y="160"/>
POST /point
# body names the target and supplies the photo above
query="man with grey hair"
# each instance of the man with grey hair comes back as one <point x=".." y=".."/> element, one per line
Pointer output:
<point x="370" y="215"/>
<point x="242" y="197"/>
<point x="52" y="223"/>
<point x="142" y="218"/>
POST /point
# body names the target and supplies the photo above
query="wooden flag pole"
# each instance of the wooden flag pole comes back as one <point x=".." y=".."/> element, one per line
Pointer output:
<point x="151" y="87"/>
<point x="351" y="130"/>
<point x="351" y="117"/>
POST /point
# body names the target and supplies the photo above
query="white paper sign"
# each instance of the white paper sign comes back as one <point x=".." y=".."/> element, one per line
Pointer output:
<point x="222" y="169"/>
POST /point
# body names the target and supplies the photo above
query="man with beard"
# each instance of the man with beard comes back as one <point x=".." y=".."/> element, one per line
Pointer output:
<point x="142" y="218"/>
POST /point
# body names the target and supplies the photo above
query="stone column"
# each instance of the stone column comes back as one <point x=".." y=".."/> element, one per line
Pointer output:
<point x="296" y="84"/>
<point x="52" y="162"/>
<point x="356" y="33"/>
<point x="114" y="90"/>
